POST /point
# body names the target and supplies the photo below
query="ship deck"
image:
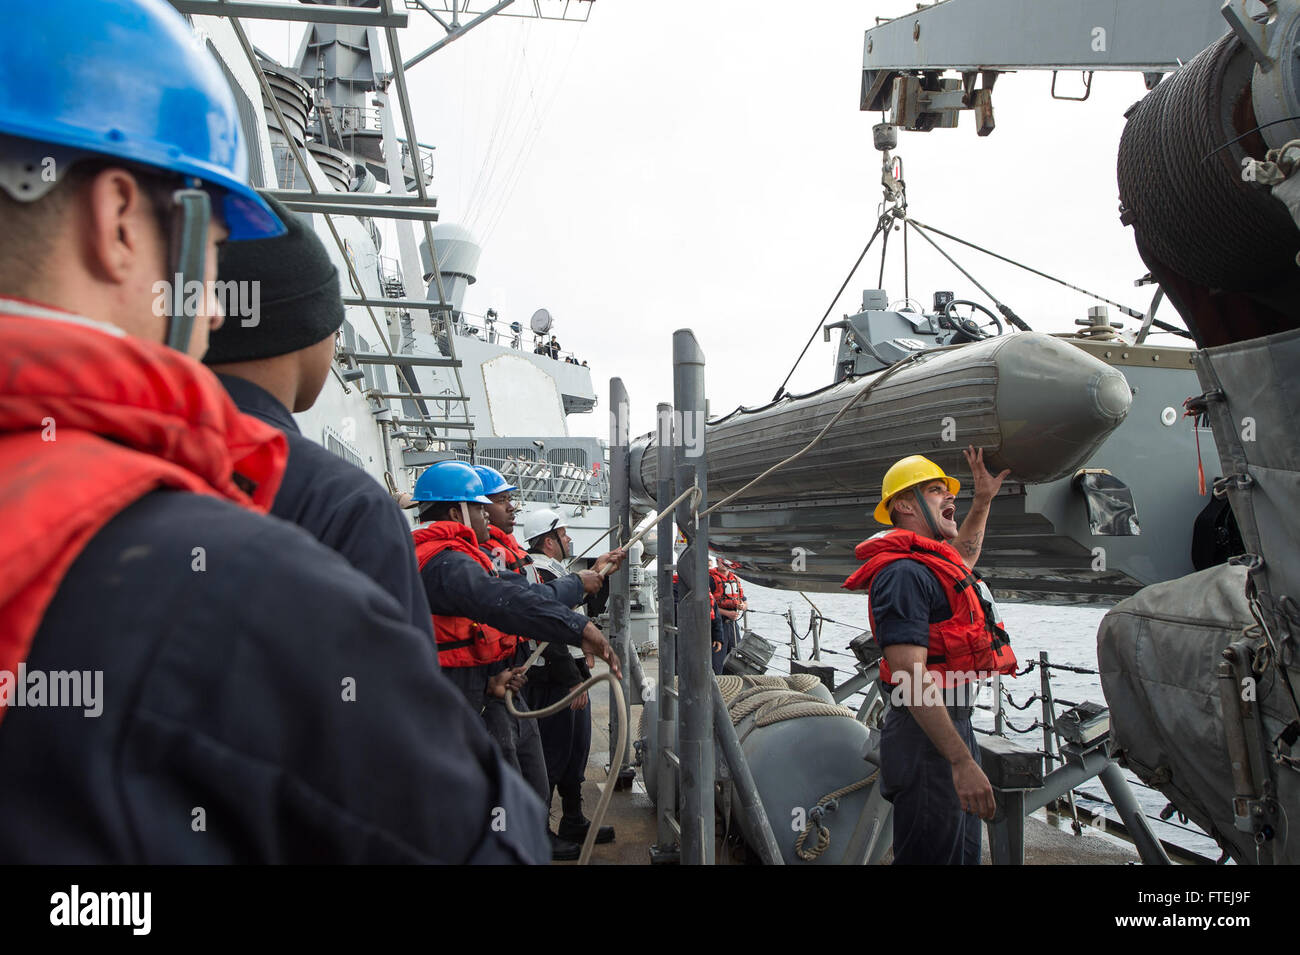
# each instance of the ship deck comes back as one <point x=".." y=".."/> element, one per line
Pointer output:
<point x="633" y="815"/>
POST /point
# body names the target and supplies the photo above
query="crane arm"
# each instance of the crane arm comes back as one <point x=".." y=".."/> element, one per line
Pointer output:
<point x="904" y="59"/>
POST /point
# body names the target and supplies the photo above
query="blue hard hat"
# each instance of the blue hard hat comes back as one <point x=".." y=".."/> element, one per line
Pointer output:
<point x="493" y="481"/>
<point x="128" y="79"/>
<point x="449" y="481"/>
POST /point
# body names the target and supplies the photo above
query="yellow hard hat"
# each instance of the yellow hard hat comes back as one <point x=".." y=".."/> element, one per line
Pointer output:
<point x="907" y="473"/>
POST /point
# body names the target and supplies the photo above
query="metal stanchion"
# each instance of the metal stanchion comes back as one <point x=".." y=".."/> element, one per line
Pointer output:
<point x="694" y="657"/>
<point x="620" y="515"/>
<point x="666" y="798"/>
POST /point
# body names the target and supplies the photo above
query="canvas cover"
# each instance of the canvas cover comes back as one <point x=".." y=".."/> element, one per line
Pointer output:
<point x="1254" y="408"/>
<point x="1158" y="653"/>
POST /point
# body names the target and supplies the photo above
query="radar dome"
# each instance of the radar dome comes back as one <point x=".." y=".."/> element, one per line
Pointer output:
<point x="540" y="323"/>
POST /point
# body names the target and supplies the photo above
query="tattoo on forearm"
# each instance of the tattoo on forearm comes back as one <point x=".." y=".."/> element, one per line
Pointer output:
<point x="971" y="547"/>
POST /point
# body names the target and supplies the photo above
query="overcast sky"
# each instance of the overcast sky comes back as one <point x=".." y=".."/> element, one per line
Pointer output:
<point x="705" y="165"/>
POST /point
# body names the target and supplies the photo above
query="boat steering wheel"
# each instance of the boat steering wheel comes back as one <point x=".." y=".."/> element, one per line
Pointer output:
<point x="968" y="325"/>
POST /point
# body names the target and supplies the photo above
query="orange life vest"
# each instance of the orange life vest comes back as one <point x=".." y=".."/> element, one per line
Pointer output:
<point x="505" y="551"/>
<point x="968" y="642"/>
<point x="725" y="588"/>
<point x="461" y="642"/>
<point x="131" y="416"/>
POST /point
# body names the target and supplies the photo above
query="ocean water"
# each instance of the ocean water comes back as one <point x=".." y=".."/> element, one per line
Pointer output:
<point x="1068" y="634"/>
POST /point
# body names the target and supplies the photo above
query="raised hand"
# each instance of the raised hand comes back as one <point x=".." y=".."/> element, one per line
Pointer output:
<point x="985" y="485"/>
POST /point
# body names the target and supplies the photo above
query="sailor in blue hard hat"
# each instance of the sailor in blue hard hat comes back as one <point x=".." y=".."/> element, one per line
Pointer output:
<point x="252" y="678"/>
<point x="453" y="484"/>
<point x="478" y="614"/>
<point x="501" y="510"/>
<point x="122" y="153"/>
<point x="509" y="558"/>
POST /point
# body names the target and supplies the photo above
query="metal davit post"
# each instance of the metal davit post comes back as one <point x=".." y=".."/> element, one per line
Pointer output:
<point x="666" y="798"/>
<point x="620" y="510"/>
<point x="694" y="657"/>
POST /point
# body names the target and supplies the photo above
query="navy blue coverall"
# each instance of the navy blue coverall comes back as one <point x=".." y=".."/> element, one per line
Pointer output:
<point x="930" y="827"/>
<point x="566" y="736"/>
<point x="271" y="705"/>
<point x="458" y="586"/>
<point x="340" y="505"/>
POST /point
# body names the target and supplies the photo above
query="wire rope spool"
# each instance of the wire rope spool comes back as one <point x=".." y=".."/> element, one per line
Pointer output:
<point x="1185" y="196"/>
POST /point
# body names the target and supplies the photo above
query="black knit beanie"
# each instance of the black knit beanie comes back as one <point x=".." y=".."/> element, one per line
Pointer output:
<point x="297" y="294"/>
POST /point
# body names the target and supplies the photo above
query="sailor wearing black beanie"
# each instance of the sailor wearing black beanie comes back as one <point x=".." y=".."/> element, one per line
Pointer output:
<point x="293" y="289"/>
<point x="274" y="359"/>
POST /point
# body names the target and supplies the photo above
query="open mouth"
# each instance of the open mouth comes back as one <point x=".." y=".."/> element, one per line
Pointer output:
<point x="949" y="513"/>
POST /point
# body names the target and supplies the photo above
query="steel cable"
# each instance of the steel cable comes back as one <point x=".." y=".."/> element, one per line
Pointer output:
<point x="880" y="225"/>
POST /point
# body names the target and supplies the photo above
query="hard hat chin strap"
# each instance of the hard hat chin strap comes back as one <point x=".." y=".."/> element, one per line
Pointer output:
<point x="919" y="497"/>
<point x="559" y="542"/>
<point x="191" y="213"/>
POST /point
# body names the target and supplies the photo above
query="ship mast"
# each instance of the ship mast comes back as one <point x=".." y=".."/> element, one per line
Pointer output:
<point x="354" y="138"/>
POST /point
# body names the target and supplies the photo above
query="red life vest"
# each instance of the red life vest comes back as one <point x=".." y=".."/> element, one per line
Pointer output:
<point x="724" y="586"/>
<point x="90" y="422"/>
<point x="712" y="614"/>
<point x="970" y="641"/>
<point x="461" y="642"/>
<point x="505" y="550"/>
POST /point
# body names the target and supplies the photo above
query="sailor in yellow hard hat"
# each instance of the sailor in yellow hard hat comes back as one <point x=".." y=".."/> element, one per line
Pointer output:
<point x="940" y="634"/>
<point x="918" y="471"/>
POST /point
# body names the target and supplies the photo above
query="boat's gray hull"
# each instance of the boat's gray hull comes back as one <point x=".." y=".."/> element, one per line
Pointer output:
<point x="1042" y="406"/>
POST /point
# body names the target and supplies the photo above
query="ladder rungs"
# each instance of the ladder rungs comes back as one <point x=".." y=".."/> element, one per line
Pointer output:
<point x="433" y="423"/>
<point x="673" y="824"/>
<point x="670" y="691"/>
<point x="372" y="358"/>
<point x="672" y="757"/>
<point x="671" y="628"/>
<point x="403" y="394"/>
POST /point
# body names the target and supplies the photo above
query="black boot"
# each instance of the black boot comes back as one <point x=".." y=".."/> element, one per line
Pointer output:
<point x="574" y="825"/>
<point x="576" y="829"/>
<point x="563" y="850"/>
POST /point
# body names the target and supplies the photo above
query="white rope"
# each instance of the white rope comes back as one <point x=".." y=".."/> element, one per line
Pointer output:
<point x="616" y="700"/>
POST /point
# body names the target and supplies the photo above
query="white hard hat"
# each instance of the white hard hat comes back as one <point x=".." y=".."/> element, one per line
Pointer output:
<point x="537" y="523"/>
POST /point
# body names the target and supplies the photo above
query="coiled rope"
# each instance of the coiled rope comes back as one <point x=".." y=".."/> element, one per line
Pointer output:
<point x="828" y="803"/>
<point x="773" y="699"/>
<point x="1181" y="185"/>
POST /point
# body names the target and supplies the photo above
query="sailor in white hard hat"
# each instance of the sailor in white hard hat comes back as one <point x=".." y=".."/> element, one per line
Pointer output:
<point x="566" y="736"/>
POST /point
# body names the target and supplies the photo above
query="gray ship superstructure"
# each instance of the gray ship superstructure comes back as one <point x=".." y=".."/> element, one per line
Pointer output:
<point x="417" y="378"/>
